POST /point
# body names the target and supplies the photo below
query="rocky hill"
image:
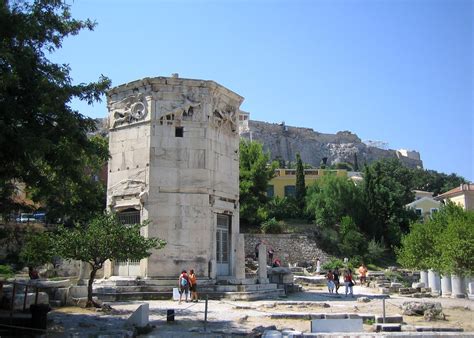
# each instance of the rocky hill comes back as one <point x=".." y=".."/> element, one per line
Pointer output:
<point x="283" y="142"/>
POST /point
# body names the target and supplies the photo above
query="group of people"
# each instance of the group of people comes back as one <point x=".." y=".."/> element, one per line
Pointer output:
<point x="333" y="279"/>
<point x="187" y="283"/>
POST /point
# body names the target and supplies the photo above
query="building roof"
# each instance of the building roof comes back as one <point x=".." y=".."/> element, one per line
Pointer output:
<point x="456" y="191"/>
<point x="418" y="201"/>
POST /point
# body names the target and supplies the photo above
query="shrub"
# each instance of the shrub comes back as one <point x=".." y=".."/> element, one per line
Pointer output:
<point x="283" y="208"/>
<point x="327" y="239"/>
<point x="272" y="226"/>
<point x="375" y="251"/>
<point x="6" y="271"/>
<point x="353" y="242"/>
<point x="333" y="263"/>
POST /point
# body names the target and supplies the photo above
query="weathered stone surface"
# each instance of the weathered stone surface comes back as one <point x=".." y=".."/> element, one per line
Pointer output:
<point x="140" y="317"/>
<point x="30" y="299"/>
<point x="429" y="310"/>
<point x="393" y="319"/>
<point x="289" y="248"/>
<point x="174" y="158"/>
<point x="284" y="142"/>
<point x="418" y="285"/>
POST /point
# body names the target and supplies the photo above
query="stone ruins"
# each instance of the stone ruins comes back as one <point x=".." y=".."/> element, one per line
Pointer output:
<point x="174" y="146"/>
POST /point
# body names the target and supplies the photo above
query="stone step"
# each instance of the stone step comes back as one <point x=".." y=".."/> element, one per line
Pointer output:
<point x="255" y="295"/>
<point x="388" y="327"/>
<point x="394" y="319"/>
<point x="169" y="288"/>
<point x="438" y="329"/>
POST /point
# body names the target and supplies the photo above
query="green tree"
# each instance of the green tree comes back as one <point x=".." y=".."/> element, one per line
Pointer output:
<point x="342" y="165"/>
<point x="438" y="183"/>
<point x="352" y="241"/>
<point x="456" y="241"/>
<point x="356" y="163"/>
<point x="103" y="238"/>
<point x="38" y="249"/>
<point x="332" y="197"/>
<point x="39" y="128"/>
<point x="254" y="174"/>
<point x="78" y="197"/>
<point x="445" y="242"/>
<point x="282" y="208"/>
<point x="300" y="188"/>
<point x="387" y="189"/>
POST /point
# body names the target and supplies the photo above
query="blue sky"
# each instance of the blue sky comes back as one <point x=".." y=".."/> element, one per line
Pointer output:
<point x="398" y="71"/>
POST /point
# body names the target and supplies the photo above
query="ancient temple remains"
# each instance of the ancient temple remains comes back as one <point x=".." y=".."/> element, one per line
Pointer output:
<point x="174" y="146"/>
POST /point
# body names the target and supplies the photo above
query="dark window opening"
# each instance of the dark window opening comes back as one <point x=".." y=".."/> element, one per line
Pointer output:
<point x="179" y="131"/>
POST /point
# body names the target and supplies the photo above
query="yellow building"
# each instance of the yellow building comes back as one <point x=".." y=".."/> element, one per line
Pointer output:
<point x="284" y="182"/>
<point x="425" y="207"/>
<point x="462" y="195"/>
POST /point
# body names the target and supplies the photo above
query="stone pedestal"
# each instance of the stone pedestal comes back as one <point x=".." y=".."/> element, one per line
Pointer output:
<point x="212" y="269"/>
<point x="446" y="285"/>
<point x="434" y="282"/>
<point x="457" y="287"/>
<point x="424" y="277"/>
<point x="262" y="264"/>
<point x="140" y="317"/>
<point x="240" y="257"/>
<point x="471" y="291"/>
<point x="84" y="273"/>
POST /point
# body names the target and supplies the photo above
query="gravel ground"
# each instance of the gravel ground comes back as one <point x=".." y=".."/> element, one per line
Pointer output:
<point x="229" y="317"/>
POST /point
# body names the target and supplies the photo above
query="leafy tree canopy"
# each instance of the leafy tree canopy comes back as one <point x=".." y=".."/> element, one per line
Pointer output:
<point x="39" y="249"/>
<point x="103" y="238"/>
<point x="444" y="243"/>
<point x="387" y="189"/>
<point x="438" y="183"/>
<point x="42" y="137"/>
<point x="255" y="171"/>
<point x="331" y="197"/>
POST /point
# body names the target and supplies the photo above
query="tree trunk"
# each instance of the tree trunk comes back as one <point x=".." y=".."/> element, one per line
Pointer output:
<point x="90" y="301"/>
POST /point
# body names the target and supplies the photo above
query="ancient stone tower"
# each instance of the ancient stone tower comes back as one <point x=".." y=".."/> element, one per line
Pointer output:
<point x="174" y="147"/>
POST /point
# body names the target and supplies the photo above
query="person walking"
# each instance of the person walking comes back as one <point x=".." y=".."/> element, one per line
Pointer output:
<point x="337" y="282"/>
<point x="183" y="285"/>
<point x="193" y="286"/>
<point x="348" y="282"/>
<point x="330" y="278"/>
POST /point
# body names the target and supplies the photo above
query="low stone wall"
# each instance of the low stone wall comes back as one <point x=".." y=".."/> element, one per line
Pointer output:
<point x="289" y="248"/>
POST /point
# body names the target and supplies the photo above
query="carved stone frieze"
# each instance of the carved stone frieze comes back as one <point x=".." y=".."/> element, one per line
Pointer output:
<point x="129" y="188"/>
<point x="129" y="110"/>
<point x="187" y="110"/>
<point x="225" y="119"/>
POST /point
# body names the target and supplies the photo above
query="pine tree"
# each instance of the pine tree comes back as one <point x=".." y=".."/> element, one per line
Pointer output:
<point x="300" y="189"/>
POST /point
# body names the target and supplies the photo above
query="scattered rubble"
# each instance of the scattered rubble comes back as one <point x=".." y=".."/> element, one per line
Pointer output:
<point x="429" y="310"/>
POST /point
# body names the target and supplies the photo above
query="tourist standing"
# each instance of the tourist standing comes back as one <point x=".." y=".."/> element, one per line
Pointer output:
<point x="337" y="282"/>
<point x="33" y="273"/>
<point x="363" y="274"/>
<point x="330" y="278"/>
<point x="183" y="285"/>
<point x="318" y="265"/>
<point x="193" y="285"/>
<point x="348" y="282"/>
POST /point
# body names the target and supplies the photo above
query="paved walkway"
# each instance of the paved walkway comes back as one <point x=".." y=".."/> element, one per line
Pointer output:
<point x="230" y="317"/>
